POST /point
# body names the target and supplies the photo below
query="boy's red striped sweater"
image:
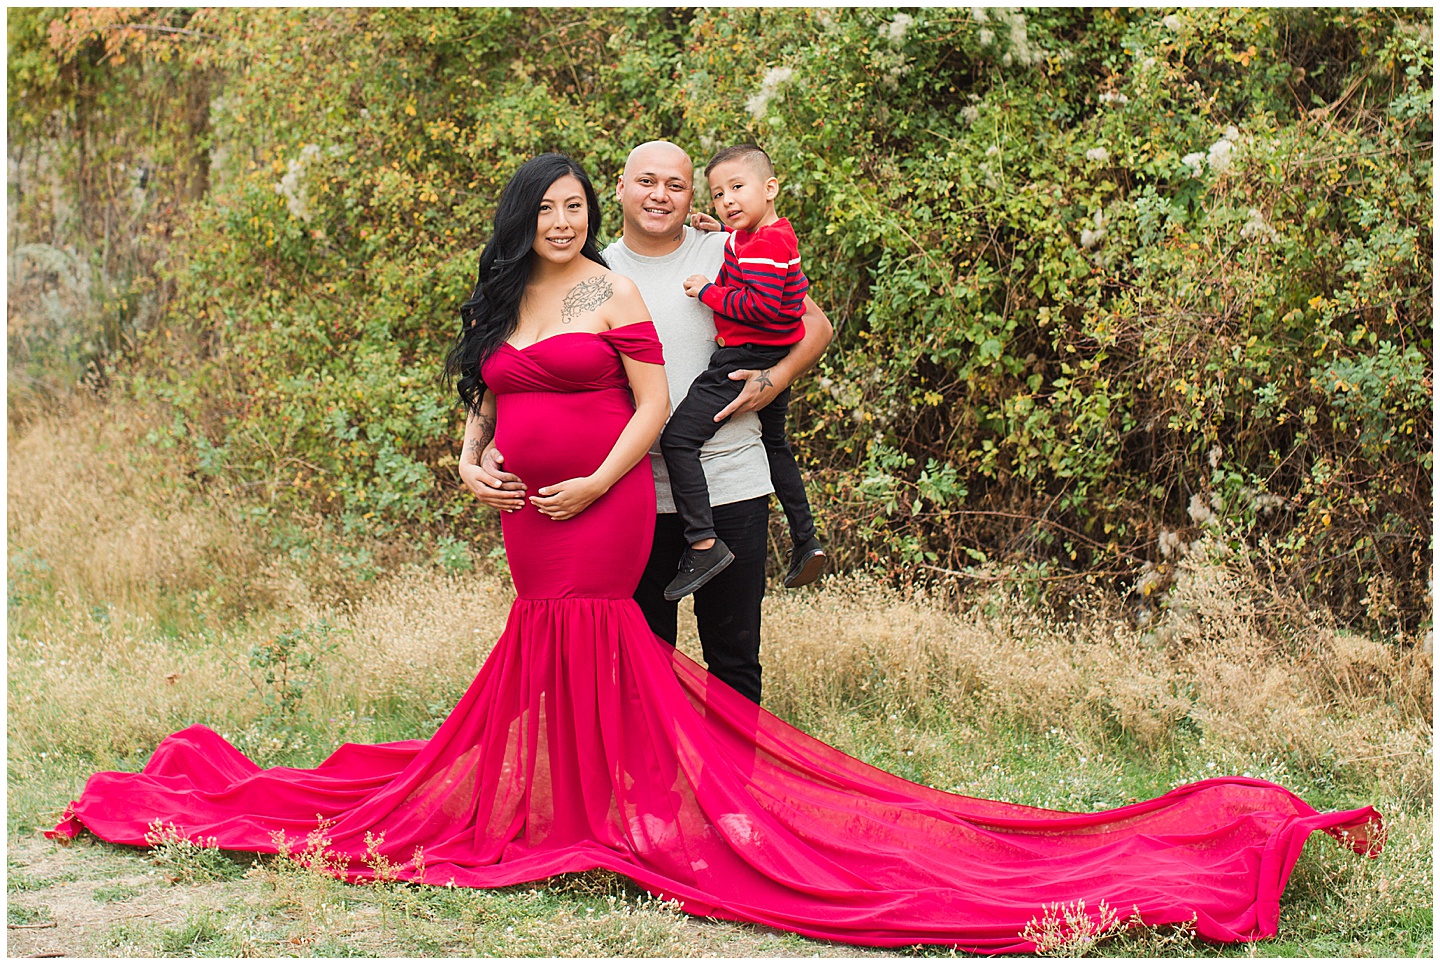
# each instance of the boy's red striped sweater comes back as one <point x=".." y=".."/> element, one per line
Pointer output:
<point x="759" y="294"/>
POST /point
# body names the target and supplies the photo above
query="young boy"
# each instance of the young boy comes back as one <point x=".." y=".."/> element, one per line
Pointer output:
<point x="757" y="299"/>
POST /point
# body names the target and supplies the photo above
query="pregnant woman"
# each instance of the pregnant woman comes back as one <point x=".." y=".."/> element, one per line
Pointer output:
<point x="586" y="742"/>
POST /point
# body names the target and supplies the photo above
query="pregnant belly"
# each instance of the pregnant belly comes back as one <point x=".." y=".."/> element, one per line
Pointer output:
<point x="547" y="438"/>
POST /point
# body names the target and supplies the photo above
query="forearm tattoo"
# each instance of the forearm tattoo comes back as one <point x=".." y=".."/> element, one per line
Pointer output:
<point x="587" y="296"/>
<point x="475" y="446"/>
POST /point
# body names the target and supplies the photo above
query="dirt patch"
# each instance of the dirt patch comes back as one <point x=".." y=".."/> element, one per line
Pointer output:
<point x="60" y="884"/>
<point x="101" y="900"/>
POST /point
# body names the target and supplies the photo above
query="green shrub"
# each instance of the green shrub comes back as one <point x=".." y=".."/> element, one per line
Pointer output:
<point x="1102" y="278"/>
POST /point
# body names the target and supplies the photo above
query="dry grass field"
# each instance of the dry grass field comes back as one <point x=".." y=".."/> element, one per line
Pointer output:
<point x="139" y="604"/>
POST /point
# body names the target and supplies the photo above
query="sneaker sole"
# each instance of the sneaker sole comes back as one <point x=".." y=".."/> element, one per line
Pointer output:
<point x="810" y="570"/>
<point x="672" y="595"/>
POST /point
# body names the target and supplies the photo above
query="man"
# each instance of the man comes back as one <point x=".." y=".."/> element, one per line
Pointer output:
<point x="658" y="251"/>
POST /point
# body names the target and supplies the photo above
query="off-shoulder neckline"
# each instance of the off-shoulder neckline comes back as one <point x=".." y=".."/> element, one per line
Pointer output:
<point x="600" y="334"/>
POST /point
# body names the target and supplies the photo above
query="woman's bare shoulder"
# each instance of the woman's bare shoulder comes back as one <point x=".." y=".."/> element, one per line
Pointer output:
<point x="622" y="285"/>
<point x="625" y="304"/>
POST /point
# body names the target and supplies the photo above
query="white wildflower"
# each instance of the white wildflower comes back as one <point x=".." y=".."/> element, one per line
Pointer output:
<point x="1199" y="510"/>
<point x="992" y="150"/>
<point x="292" y="185"/>
<point x="1258" y="229"/>
<point x="769" y="87"/>
<point x="1219" y="155"/>
<point x="1195" y="162"/>
<point x="1089" y="238"/>
<point x="1114" y="97"/>
<point x="970" y="114"/>
<point x="1232" y="134"/>
<point x="1267" y="503"/>
<point x="1019" y="37"/>
<point x="987" y="37"/>
<point x="895" y="30"/>
<point x="1170" y="544"/>
<point x="1097" y="154"/>
<point x="1173" y="22"/>
<point x="1216" y="451"/>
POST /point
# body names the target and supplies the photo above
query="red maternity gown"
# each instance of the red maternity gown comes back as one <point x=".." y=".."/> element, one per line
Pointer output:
<point x="586" y="742"/>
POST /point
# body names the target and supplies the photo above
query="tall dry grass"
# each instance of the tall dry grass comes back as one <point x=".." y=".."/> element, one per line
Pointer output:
<point x="1345" y="708"/>
<point x="136" y="598"/>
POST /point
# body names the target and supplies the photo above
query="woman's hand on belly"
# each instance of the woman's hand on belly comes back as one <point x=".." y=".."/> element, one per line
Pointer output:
<point x="494" y="486"/>
<point x="568" y="498"/>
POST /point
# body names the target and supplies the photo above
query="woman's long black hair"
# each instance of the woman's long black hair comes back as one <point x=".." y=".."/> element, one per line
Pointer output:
<point x="489" y="316"/>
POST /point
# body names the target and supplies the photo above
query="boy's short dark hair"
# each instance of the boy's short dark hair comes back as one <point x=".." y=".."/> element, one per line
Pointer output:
<point x="749" y="153"/>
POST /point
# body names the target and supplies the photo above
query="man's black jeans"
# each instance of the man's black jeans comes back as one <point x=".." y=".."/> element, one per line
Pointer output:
<point x="727" y="609"/>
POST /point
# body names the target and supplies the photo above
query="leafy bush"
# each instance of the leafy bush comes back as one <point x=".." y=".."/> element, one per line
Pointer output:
<point x="1104" y="280"/>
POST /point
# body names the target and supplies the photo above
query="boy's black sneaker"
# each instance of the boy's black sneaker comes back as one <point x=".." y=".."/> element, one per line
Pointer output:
<point x="806" y="563"/>
<point x="698" y="567"/>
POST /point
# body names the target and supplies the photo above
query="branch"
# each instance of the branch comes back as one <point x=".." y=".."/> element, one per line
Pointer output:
<point x="157" y="28"/>
<point x="1002" y="578"/>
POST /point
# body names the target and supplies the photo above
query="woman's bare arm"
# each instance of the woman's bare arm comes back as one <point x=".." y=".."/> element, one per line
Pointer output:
<point x="491" y="489"/>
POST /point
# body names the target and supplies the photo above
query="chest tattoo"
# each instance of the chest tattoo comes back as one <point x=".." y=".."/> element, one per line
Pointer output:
<point x="587" y="296"/>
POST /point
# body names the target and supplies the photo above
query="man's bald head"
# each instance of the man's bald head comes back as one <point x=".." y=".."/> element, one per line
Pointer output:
<point x="655" y="192"/>
<point x="669" y="150"/>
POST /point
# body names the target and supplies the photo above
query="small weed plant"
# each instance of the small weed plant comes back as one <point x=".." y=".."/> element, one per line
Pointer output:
<point x="284" y="667"/>
<point x="1066" y="929"/>
<point x="188" y="860"/>
<point x="385" y="876"/>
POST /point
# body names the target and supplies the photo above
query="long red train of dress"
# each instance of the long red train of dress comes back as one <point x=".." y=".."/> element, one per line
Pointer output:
<point x="585" y="742"/>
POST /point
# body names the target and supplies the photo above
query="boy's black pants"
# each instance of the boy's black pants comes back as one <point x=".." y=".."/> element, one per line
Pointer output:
<point x="693" y="422"/>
